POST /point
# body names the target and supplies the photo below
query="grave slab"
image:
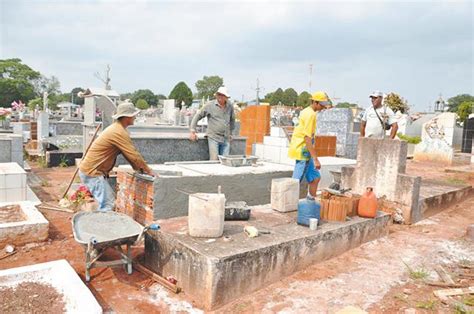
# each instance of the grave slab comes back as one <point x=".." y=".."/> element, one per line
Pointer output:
<point x="21" y="223"/>
<point x="167" y="196"/>
<point x="217" y="271"/>
<point x="61" y="276"/>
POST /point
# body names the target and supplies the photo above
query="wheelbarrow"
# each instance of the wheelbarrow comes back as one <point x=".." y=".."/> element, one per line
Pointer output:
<point x="98" y="231"/>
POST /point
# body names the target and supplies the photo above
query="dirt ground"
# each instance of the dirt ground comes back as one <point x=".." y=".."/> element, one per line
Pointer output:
<point x="377" y="277"/>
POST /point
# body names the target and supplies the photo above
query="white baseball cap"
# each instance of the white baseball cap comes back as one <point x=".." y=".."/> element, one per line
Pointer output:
<point x="223" y="91"/>
<point x="376" y="93"/>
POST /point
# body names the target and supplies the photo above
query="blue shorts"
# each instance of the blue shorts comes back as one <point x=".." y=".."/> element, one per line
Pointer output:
<point x="306" y="169"/>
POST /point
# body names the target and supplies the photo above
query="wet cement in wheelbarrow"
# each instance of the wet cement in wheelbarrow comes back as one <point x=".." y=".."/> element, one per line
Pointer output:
<point x="104" y="226"/>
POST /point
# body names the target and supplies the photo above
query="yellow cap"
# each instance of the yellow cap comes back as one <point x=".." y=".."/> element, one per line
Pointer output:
<point x="322" y="98"/>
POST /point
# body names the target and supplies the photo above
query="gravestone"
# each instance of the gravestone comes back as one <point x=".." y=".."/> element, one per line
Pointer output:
<point x="467" y="135"/>
<point x="42" y="128"/>
<point x="437" y="139"/>
<point x="381" y="164"/>
<point x="338" y="122"/>
<point x="169" y="110"/>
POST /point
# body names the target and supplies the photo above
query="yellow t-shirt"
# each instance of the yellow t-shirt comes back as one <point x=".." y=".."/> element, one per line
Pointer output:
<point x="306" y="127"/>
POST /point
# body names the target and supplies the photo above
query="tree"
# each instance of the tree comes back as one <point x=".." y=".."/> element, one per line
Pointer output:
<point x="277" y="97"/>
<point x="160" y="96"/>
<point x="396" y="103"/>
<point x="181" y="92"/>
<point x="346" y="105"/>
<point x="267" y="97"/>
<point x="144" y="94"/>
<point x="304" y="99"/>
<point x="126" y="96"/>
<point x="290" y="97"/>
<point x="455" y="102"/>
<point x="37" y="101"/>
<point x="464" y="110"/>
<point x="142" y="104"/>
<point x="76" y="99"/>
<point x="208" y="86"/>
<point x="16" y="81"/>
<point x="49" y="85"/>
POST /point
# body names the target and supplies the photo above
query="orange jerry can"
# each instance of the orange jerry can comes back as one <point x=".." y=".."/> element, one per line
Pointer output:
<point x="368" y="204"/>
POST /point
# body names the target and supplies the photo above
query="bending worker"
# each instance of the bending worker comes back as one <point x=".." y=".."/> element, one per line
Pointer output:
<point x="100" y="159"/>
<point x="221" y="122"/>
<point x="302" y="149"/>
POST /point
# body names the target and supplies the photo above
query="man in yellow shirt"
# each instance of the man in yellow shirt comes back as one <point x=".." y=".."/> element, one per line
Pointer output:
<point x="301" y="147"/>
<point x="100" y="159"/>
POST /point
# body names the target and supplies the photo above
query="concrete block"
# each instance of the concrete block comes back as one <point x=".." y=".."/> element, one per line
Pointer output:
<point x="277" y="132"/>
<point x="434" y="150"/>
<point x="206" y="215"/>
<point x="284" y="159"/>
<point x="5" y="149"/>
<point x="272" y="153"/>
<point x="259" y="150"/>
<point x="275" y="141"/>
<point x="285" y="194"/>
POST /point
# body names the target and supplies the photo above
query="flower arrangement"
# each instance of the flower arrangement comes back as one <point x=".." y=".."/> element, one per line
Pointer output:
<point x="81" y="196"/>
<point x="4" y="112"/>
<point x="18" y="106"/>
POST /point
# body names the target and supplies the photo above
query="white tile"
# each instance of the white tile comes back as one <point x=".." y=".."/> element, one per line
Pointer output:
<point x="272" y="153"/>
<point x="275" y="141"/>
<point x="13" y="181"/>
<point x="277" y="132"/>
<point x="2" y="195"/>
<point x="15" y="195"/>
<point x="258" y="150"/>
<point x="2" y="181"/>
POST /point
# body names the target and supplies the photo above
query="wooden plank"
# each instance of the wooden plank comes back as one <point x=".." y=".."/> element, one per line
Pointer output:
<point x="165" y="283"/>
<point x="452" y="292"/>
<point x="443" y="274"/>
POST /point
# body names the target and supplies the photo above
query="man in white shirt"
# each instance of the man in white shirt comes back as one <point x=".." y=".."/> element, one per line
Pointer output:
<point x="376" y="117"/>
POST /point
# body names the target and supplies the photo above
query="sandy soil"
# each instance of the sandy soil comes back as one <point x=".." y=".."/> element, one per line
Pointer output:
<point x="374" y="277"/>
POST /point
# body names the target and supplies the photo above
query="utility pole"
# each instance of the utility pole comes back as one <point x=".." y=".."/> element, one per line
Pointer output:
<point x="310" y="75"/>
<point x="258" y="92"/>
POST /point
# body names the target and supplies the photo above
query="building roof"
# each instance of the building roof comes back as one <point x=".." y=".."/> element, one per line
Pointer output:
<point x="101" y="92"/>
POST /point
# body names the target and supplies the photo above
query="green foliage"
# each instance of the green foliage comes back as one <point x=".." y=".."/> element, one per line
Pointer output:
<point x="16" y="81"/>
<point x="181" y="92"/>
<point x="37" y="101"/>
<point x="396" y="103"/>
<point x="146" y="95"/>
<point x="142" y="104"/>
<point x="464" y="110"/>
<point x="160" y="96"/>
<point x="268" y="98"/>
<point x="456" y="101"/>
<point x="290" y="97"/>
<point x="409" y="139"/>
<point x="63" y="162"/>
<point x="77" y="100"/>
<point x="208" y="86"/>
<point x="277" y="97"/>
<point x="346" y="105"/>
<point x="304" y="99"/>
<point x="416" y="274"/>
<point x="427" y="305"/>
<point x="54" y="99"/>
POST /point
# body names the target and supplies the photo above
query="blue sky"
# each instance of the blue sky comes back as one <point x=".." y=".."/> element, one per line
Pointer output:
<point x="417" y="49"/>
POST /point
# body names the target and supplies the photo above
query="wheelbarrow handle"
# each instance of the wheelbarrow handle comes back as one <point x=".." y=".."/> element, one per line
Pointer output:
<point x="152" y="226"/>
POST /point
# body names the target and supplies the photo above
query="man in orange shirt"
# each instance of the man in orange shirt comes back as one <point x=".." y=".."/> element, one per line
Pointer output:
<point x="100" y="159"/>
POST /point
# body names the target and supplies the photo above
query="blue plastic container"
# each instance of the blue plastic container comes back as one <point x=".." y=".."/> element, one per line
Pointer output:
<point x="308" y="209"/>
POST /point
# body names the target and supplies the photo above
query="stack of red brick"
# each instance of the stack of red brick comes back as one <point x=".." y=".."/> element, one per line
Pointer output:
<point x="254" y="124"/>
<point x="135" y="197"/>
